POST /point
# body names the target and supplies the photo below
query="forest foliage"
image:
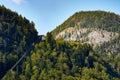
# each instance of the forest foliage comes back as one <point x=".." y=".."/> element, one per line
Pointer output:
<point x="16" y="35"/>
<point x="60" y="60"/>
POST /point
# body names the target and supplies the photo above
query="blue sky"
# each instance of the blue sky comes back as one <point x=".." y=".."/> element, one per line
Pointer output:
<point x="48" y="14"/>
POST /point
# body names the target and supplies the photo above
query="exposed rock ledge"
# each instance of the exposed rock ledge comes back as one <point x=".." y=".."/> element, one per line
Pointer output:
<point x="87" y="35"/>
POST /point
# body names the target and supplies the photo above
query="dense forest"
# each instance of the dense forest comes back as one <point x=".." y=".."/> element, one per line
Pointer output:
<point x="60" y="60"/>
<point x="16" y="35"/>
<point x="57" y="59"/>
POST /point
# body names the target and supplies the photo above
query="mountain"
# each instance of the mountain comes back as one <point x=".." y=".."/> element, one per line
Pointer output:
<point x="99" y="28"/>
<point x="73" y="51"/>
<point x="16" y="35"/>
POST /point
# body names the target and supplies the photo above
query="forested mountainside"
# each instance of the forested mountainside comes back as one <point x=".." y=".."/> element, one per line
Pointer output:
<point x="16" y="35"/>
<point x="62" y="60"/>
<point x="57" y="57"/>
<point x="91" y="19"/>
<point x="99" y="28"/>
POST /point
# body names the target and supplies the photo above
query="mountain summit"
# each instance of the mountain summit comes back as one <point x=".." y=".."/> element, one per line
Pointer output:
<point x="91" y="19"/>
<point x="98" y="28"/>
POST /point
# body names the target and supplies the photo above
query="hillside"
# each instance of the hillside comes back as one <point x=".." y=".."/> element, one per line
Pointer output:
<point x="60" y="60"/>
<point x="16" y="35"/>
<point x="98" y="28"/>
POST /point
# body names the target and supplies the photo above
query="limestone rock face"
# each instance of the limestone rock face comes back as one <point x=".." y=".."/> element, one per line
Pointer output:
<point x="87" y="35"/>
